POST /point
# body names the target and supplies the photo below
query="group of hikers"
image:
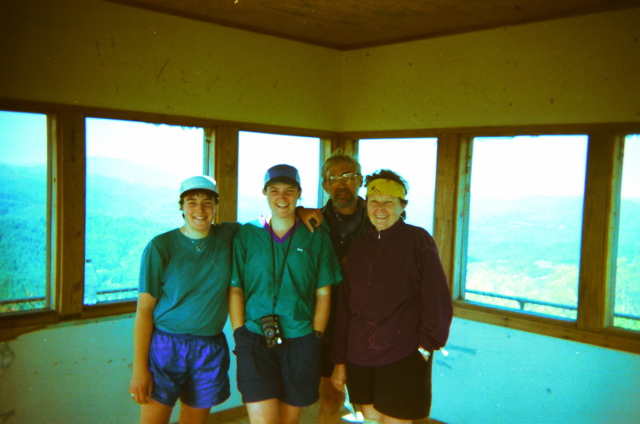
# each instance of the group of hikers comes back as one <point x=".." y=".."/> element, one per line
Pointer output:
<point x="346" y="297"/>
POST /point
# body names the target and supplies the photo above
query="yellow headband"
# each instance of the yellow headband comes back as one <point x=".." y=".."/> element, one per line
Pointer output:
<point x="388" y="187"/>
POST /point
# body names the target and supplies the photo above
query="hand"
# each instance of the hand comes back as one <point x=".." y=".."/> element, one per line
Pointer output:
<point x="141" y="387"/>
<point x="425" y="353"/>
<point x="339" y="377"/>
<point x="310" y="217"/>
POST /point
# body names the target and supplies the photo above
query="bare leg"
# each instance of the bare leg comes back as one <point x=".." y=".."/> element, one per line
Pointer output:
<point x="190" y="415"/>
<point x="155" y="412"/>
<point x="390" y="420"/>
<point x="289" y="414"/>
<point x="331" y="401"/>
<point x="264" y="412"/>
<point x="370" y="413"/>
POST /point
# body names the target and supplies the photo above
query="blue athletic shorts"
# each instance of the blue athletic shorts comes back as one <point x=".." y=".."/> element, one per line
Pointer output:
<point x="289" y="372"/>
<point x="194" y="369"/>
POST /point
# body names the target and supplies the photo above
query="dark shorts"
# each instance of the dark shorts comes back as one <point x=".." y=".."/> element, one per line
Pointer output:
<point x="326" y="366"/>
<point x="400" y="390"/>
<point x="194" y="369"/>
<point x="289" y="372"/>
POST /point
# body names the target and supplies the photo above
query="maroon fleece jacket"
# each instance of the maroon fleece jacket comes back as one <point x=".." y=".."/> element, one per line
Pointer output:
<point x="394" y="299"/>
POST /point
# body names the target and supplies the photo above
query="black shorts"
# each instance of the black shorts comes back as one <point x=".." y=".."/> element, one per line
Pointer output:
<point x="326" y="366"/>
<point x="289" y="372"/>
<point x="400" y="390"/>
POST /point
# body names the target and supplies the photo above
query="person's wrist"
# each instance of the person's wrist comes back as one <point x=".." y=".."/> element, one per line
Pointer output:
<point x="318" y="334"/>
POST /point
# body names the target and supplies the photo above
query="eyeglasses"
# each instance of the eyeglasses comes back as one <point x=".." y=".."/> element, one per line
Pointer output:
<point x="348" y="178"/>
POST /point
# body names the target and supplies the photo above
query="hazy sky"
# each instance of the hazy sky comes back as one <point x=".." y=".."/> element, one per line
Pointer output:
<point x="503" y="167"/>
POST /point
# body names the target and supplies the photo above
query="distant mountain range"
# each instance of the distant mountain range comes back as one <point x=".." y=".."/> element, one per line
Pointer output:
<point x="128" y="204"/>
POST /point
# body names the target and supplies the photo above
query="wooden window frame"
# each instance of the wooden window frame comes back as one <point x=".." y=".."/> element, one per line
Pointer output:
<point x="593" y="325"/>
<point x="67" y="186"/>
<point x="599" y="228"/>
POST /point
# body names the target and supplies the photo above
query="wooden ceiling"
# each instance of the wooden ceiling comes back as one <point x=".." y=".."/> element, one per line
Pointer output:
<point x="352" y="24"/>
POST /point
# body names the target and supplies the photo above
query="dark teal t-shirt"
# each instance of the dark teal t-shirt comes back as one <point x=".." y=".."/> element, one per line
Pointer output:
<point x="190" y="284"/>
<point x="311" y="263"/>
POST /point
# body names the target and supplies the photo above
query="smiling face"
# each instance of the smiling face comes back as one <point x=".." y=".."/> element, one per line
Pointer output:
<point x="341" y="183"/>
<point x="199" y="212"/>
<point x="282" y="199"/>
<point x="384" y="210"/>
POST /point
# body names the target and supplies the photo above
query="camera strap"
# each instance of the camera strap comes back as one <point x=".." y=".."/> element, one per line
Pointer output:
<point x="278" y="281"/>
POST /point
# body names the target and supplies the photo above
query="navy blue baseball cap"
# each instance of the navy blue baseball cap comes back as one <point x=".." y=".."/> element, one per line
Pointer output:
<point x="282" y="174"/>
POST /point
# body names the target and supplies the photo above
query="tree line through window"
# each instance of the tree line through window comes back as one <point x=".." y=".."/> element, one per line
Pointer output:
<point x="523" y="237"/>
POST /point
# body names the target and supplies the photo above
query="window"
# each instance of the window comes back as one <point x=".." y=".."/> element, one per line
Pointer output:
<point x="259" y="152"/>
<point x="627" y="289"/>
<point x="415" y="160"/>
<point x="23" y="211"/>
<point x="525" y="223"/>
<point x="509" y="214"/>
<point x="134" y="170"/>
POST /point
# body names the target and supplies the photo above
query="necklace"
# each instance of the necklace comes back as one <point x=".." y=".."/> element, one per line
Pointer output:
<point x="199" y="247"/>
<point x="196" y="245"/>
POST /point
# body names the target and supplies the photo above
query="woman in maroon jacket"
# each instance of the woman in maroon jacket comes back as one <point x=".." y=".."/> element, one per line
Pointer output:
<point x="394" y="312"/>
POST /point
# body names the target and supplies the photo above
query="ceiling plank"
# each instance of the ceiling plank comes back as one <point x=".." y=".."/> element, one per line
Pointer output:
<point x="351" y="24"/>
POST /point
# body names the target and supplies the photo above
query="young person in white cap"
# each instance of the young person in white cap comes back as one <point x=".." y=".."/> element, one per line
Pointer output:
<point x="279" y="303"/>
<point x="394" y="311"/>
<point x="180" y="351"/>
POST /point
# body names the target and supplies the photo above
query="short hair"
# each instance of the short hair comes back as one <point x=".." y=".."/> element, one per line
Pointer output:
<point x="387" y="174"/>
<point x="197" y="192"/>
<point x="337" y="157"/>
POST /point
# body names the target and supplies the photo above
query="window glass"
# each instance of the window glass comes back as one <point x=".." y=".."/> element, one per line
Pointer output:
<point x="23" y="211"/>
<point x="627" y="298"/>
<point x="134" y="170"/>
<point x="414" y="159"/>
<point x="259" y="152"/>
<point x="525" y="223"/>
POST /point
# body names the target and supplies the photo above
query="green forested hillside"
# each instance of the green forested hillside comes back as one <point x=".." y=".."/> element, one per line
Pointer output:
<point x="521" y="242"/>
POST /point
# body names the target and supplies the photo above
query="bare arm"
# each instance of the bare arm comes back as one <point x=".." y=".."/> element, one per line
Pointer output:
<point x="322" y="310"/>
<point x="236" y="307"/>
<point x="142" y="382"/>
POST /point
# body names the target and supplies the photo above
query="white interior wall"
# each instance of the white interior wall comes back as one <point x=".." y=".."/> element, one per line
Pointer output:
<point x="578" y="70"/>
<point x="499" y="375"/>
<point x="76" y="373"/>
<point x="102" y="54"/>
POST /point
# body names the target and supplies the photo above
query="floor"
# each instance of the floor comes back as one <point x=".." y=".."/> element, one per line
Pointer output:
<point x="309" y="416"/>
<point x="239" y="416"/>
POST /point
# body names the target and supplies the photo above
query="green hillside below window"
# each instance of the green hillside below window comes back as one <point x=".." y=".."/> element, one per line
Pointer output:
<point x="134" y="170"/>
<point x="627" y="283"/>
<point x="525" y="222"/>
<point x="23" y="212"/>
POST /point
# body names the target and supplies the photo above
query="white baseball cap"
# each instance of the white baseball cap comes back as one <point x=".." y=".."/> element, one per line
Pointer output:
<point x="199" y="182"/>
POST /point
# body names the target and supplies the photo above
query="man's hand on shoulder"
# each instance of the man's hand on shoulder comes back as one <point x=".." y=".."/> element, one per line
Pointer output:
<point x="310" y="217"/>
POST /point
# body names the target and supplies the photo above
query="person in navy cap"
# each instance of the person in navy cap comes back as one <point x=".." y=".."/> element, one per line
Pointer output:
<point x="279" y="300"/>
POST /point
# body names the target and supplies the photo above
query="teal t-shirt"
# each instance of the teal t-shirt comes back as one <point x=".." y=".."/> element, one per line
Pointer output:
<point x="311" y="263"/>
<point x="190" y="284"/>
